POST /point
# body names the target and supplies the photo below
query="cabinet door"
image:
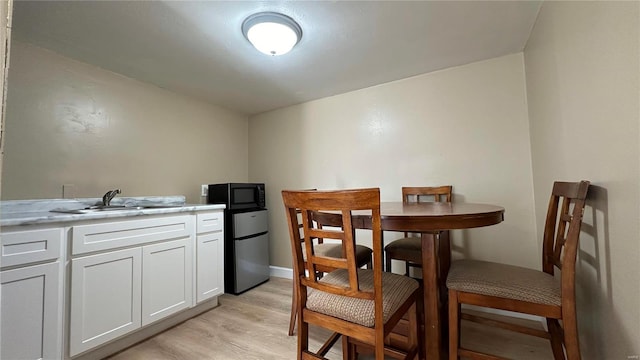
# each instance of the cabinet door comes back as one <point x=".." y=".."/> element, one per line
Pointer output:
<point x="166" y="279"/>
<point x="105" y="297"/>
<point x="209" y="266"/>
<point x="30" y="312"/>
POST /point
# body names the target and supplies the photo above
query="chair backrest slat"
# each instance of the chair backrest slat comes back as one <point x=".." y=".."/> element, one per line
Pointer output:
<point x="328" y="233"/>
<point x="344" y="291"/>
<point x="330" y="262"/>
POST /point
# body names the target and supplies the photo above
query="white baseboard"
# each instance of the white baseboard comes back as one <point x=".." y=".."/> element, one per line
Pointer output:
<point x="287" y="273"/>
<point x="281" y="272"/>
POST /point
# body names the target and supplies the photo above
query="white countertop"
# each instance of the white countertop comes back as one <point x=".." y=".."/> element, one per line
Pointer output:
<point x="31" y="212"/>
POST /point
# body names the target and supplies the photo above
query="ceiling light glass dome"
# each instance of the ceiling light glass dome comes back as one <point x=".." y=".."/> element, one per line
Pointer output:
<point x="272" y="33"/>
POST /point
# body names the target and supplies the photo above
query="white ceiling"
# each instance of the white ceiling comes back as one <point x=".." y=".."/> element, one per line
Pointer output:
<point x="197" y="48"/>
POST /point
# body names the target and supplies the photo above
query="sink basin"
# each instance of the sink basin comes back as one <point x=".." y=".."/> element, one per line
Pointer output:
<point x="101" y="208"/>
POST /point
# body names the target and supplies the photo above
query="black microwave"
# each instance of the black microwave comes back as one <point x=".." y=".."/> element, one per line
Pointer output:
<point x="237" y="195"/>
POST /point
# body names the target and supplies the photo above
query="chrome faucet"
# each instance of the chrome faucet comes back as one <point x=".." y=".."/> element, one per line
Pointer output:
<point x="106" y="199"/>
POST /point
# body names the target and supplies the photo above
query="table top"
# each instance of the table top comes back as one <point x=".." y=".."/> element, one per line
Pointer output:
<point x="429" y="216"/>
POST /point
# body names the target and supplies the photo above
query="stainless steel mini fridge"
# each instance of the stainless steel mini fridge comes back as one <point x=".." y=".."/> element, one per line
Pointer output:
<point x="246" y="250"/>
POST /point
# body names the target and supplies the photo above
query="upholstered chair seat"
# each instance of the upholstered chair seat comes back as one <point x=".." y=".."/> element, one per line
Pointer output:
<point x="396" y="289"/>
<point x="505" y="281"/>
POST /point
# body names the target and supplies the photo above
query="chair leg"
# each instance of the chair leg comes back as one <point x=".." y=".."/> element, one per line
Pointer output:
<point x="570" y="326"/>
<point x="379" y="345"/>
<point x="454" y="325"/>
<point x="387" y="262"/>
<point x="348" y="349"/>
<point x="556" y="338"/>
<point x="406" y="268"/>
<point x="345" y="348"/>
<point x="303" y="337"/>
<point x="414" y="325"/>
<point x="294" y="310"/>
<point x="421" y="322"/>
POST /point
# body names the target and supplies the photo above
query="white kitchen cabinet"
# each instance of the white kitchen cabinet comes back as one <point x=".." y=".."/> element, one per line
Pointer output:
<point x="117" y="291"/>
<point x="209" y="255"/>
<point x="31" y="303"/>
<point x="31" y="312"/>
<point x="166" y="279"/>
<point x="84" y="289"/>
<point x="106" y="297"/>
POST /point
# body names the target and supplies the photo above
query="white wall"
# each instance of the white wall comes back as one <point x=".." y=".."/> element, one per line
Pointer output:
<point x="5" y="40"/>
<point x="582" y="70"/>
<point x="6" y="15"/>
<point x="72" y="123"/>
<point x="466" y="126"/>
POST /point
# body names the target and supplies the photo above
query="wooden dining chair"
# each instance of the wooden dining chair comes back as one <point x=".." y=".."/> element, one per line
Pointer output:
<point x="363" y="258"/>
<point x="361" y="305"/>
<point x="409" y="248"/>
<point x="524" y="290"/>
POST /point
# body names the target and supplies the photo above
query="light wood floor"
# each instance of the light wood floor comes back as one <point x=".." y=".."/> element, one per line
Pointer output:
<point x="254" y="326"/>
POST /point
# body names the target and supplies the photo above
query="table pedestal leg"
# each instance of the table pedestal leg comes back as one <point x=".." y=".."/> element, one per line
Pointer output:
<point x="444" y="262"/>
<point x="433" y="317"/>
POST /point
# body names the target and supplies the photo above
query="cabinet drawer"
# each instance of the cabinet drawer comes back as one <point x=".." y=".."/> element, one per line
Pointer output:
<point x="24" y="247"/>
<point x="209" y="222"/>
<point x="105" y="236"/>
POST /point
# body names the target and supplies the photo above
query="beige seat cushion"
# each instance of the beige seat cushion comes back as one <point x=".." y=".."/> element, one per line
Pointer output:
<point x="363" y="253"/>
<point x="408" y="249"/>
<point x="506" y="281"/>
<point x="396" y="290"/>
<point x="409" y="243"/>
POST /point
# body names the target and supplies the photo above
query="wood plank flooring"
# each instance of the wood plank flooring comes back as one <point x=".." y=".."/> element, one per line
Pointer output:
<point x="253" y="326"/>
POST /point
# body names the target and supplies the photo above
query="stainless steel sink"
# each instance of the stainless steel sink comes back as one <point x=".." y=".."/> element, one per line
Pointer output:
<point x="102" y="208"/>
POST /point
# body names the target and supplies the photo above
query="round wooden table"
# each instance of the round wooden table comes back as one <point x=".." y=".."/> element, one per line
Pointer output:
<point x="427" y="219"/>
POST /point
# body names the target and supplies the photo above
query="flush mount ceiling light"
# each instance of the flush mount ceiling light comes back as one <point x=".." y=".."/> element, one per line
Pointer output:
<point x="271" y="33"/>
